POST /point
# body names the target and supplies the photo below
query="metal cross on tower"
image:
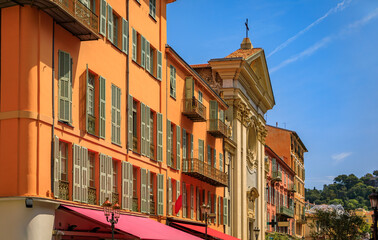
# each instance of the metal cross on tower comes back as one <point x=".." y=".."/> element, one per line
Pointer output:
<point x="246" y="28"/>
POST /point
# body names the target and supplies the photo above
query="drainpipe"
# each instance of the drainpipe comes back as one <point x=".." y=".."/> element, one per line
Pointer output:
<point x="127" y="81"/>
<point x="53" y="106"/>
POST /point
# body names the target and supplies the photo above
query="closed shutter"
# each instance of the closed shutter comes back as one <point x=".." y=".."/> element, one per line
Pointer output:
<point x="184" y="198"/>
<point x="159" y="65"/>
<point x="274" y="167"/>
<point x="209" y="155"/>
<point x="197" y="204"/>
<point x="65" y="87"/>
<point x="110" y="24"/>
<point x="160" y="194"/>
<point x="143" y="128"/>
<point x="109" y="177"/>
<point x="103" y="17"/>
<point x="87" y="110"/>
<point x="57" y="163"/>
<point x="225" y="211"/>
<point x="215" y="208"/>
<point x="159" y="139"/>
<point x="173" y="82"/>
<point x="125" y="36"/>
<point x="84" y="175"/>
<point x="184" y="145"/>
<point x="113" y="132"/>
<point x="148" y="191"/>
<point x="169" y="142"/>
<point x="200" y="149"/>
<point x="221" y="115"/>
<point x="221" y="162"/>
<point x="148" y="60"/>
<point x="125" y="185"/>
<point x="131" y="183"/>
<point x="177" y="193"/>
<point x="118" y="115"/>
<point x="102" y="178"/>
<point x="219" y="211"/>
<point x="191" y="151"/>
<point x="143" y="52"/>
<point x="143" y="190"/>
<point x="135" y="45"/>
<point x="130" y="121"/>
<point x="191" y="202"/>
<point x="213" y="109"/>
<point x="178" y="147"/>
<point x="102" y="105"/>
<point x="215" y="158"/>
<point x="76" y="192"/>
<point x="169" y="196"/>
<point x="189" y="87"/>
<point x="147" y="131"/>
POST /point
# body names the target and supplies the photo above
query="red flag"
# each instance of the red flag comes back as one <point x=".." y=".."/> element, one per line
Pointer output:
<point x="178" y="204"/>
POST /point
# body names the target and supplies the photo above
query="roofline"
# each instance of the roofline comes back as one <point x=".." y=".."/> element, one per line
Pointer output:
<point x="284" y="163"/>
<point x="190" y="69"/>
<point x="226" y="59"/>
<point x="294" y="132"/>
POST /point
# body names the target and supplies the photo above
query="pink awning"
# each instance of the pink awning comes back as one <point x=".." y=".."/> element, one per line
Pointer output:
<point x="202" y="230"/>
<point x="140" y="227"/>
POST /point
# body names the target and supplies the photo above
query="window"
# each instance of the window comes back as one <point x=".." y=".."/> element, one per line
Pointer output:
<point x="153" y="8"/>
<point x="160" y="194"/>
<point x="91" y="103"/>
<point x="116" y="115"/>
<point x="151" y="193"/>
<point x="200" y="96"/>
<point x="152" y="61"/>
<point x="135" y="190"/>
<point x="159" y="70"/>
<point x="92" y="176"/>
<point x="152" y="136"/>
<point x="173" y="82"/>
<point x="115" y="176"/>
<point x="65" y="87"/>
<point x="116" y="34"/>
<point x="63" y="160"/>
<point x="135" y="126"/>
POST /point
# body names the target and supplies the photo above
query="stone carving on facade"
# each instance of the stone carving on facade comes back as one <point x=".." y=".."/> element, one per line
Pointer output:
<point x="251" y="159"/>
<point x="229" y="128"/>
<point x="240" y="109"/>
<point x="252" y="195"/>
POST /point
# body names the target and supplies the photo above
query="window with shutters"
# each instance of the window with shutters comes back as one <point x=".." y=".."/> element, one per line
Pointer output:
<point x="135" y="132"/>
<point x="152" y="142"/>
<point x="115" y="176"/>
<point x="92" y="176"/>
<point x="152" y="194"/>
<point x="172" y="85"/>
<point x="135" y="202"/>
<point x="116" y="30"/>
<point x="152" y="64"/>
<point x="200" y="96"/>
<point x="116" y="115"/>
<point x="63" y="160"/>
<point x="65" y="87"/>
<point x="153" y="8"/>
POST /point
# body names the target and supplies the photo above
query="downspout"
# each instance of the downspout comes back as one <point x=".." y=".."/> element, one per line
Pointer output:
<point x="53" y="106"/>
<point x="127" y="81"/>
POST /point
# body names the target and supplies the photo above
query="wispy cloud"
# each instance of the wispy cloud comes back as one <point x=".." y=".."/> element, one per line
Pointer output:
<point x="323" y="42"/>
<point x="338" y="158"/>
<point x="339" y="7"/>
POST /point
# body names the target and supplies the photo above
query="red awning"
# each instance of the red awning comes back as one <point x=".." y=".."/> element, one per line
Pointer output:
<point x="140" y="227"/>
<point x="201" y="229"/>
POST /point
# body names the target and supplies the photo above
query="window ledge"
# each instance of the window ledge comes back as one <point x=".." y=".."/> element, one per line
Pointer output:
<point x="93" y="135"/>
<point x="152" y="17"/>
<point x="172" y="97"/>
<point x="66" y="123"/>
<point x="117" y="144"/>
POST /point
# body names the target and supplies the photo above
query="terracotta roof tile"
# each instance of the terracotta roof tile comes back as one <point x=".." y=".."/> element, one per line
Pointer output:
<point x="200" y="65"/>
<point x="243" y="53"/>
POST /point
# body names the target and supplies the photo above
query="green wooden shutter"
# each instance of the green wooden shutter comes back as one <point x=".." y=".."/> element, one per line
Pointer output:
<point x="65" y="87"/>
<point x="148" y="60"/>
<point x="102" y="178"/>
<point x="200" y="149"/>
<point x="191" y="146"/>
<point x="189" y="87"/>
<point x="160" y="194"/>
<point x="131" y="183"/>
<point x="84" y="175"/>
<point x="143" y="190"/>
<point x="118" y="115"/>
<point x="225" y="211"/>
<point x="221" y="162"/>
<point x="125" y="36"/>
<point x="197" y="204"/>
<point x="184" y="145"/>
<point x="130" y="121"/>
<point x="114" y="97"/>
<point x="169" y="144"/>
<point x="135" y="45"/>
<point x="143" y="128"/>
<point x="221" y="115"/>
<point x="184" y="198"/>
<point x="215" y="208"/>
<point x="191" y="202"/>
<point x="173" y="82"/>
<point x="103" y="17"/>
<point x="169" y="196"/>
<point x="274" y="166"/>
<point x="219" y="211"/>
<point x="109" y="176"/>
<point x="110" y="24"/>
<point x="177" y="194"/>
<point x="159" y="74"/>
<point x="213" y="109"/>
<point x="76" y="172"/>
<point x="178" y="147"/>
<point x="125" y="185"/>
<point x="57" y="163"/>
<point x="159" y="138"/>
<point x="209" y="155"/>
<point x="102" y="104"/>
<point x="87" y="99"/>
<point x="147" y="131"/>
<point x="143" y="52"/>
<point x="215" y="158"/>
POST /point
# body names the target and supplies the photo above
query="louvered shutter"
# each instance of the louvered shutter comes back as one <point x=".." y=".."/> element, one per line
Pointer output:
<point x="191" y="151"/>
<point x="84" y="175"/>
<point x="143" y="52"/>
<point x="225" y="211"/>
<point x="130" y="122"/>
<point x="57" y="163"/>
<point x="209" y="155"/>
<point x="191" y="202"/>
<point x="143" y="128"/>
<point x="169" y="144"/>
<point x="184" y="198"/>
<point x="135" y="45"/>
<point x="215" y="158"/>
<point x="197" y="204"/>
<point x="103" y="17"/>
<point x="184" y="144"/>
<point x="65" y="88"/>
<point x="131" y="183"/>
<point x="169" y="196"/>
<point x="219" y="211"/>
<point x="76" y="193"/>
<point x="200" y="149"/>
<point x="125" y="185"/>
<point x="274" y="166"/>
<point x="178" y="147"/>
<point x="118" y="115"/>
<point x="110" y="24"/>
<point x="143" y="190"/>
<point x="173" y="82"/>
<point x="109" y="177"/>
<point x="177" y="194"/>
<point x="125" y="36"/>
<point x="113" y="132"/>
<point x="147" y="49"/>
<point x="159" y="65"/>
<point x="160" y="194"/>
<point x="102" y="178"/>
<point x="87" y="99"/>
<point x="159" y="139"/>
<point x="147" y="131"/>
<point x="209" y="201"/>
<point x="221" y="115"/>
<point x="148" y="191"/>
<point x="102" y="104"/>
<point x="213" y="109"/>
<point x="189" y="88"/>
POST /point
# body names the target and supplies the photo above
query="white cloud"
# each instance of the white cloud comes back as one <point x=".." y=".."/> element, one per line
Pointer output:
<point x="338" y="158"/>
<point x="339" y="7"/>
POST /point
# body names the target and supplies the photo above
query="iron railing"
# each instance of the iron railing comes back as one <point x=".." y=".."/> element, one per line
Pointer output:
<point x="115" y="197"/>
<point x="293" y="187"/>
<point x="135" y="144"/>
<point x="92" y="198"/>
<point x="64" y="190"/>
<point x="288" y="212"/>
<point x="152" y="151"/>
<point x="204" y="172"/>
<point x="152" y="208"/>
<point x="194" y="110"/>
<point x="135" y="204"/>
<point x="276" y="176"/>
<point x="217" y="128"/>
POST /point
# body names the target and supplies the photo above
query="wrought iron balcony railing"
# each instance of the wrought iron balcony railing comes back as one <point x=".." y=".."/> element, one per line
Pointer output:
<point x="292" y="188"/>
<point x="64" y="190"/>
<point x="115" y="197"/>
<point x="72" y="15"/>
<point x="194" y="110"/>
<point x="152" y="208"/>
<point x="152" y="151"/>
<point x="135" y="204"/>
<point x="217" y="128"/>
<point x="92" y="199"/>
<point x="276" y="176"/>
<point x="288" y="212"/>
<point x="204" y="172"/>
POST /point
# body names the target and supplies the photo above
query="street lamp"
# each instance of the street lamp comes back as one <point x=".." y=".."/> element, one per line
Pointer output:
<point x="110" y="209"/>
<point x="256" y="231"/>
<point x="374" y="205"/>
<point x="205" y="210"/>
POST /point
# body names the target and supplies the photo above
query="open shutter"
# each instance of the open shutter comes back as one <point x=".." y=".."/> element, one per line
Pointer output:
<point x="219" y="210"/>
<point x="113" y="131"/>
<point x="213" y="109"/>
<point x="147" y="131"/>
<point x="110" y="24"/>
<point x="169" y="142"/>
<point x="143" y="190"/>
<point x="215" y="208"/>
<point x="184" y="144"/>
<point x="76" y="192"/>
<point x="65" y="88"/>
<point x="191" y="151"/>
<point x="148" y="191"/>
<point x="57" y="175"/>
<point x="184" y="198"/>
<point x="178" y="147"/>
<point x="109" y="176"/>
<point x="191" y="202"/>
<point x="102" y="107"/>
<point x="125" y="185"/>
<point x="221" y="115"/>
<point x="143" y="52"/>
<point x="189" y="88"/>
<point x="143" y="128"/>
<point x="225" y="211"/>
<point x="274" y="166"/>
<point x="131" y="183"/>
<point x="159" y="74"/>
<point x="84" y="175"/>
<point x="221" y="162"/>
<point x="148" y="60"/>
<point x="215" y="158"/>
<point x="103" y="17"/>
<point x="200" y="149"/>
<point x="125" y="36"/>
<point x="118" y="115"/>
<point x="169" y="196"/>
<point x="209" y="155"/>
<point x="160" y="194"/>
<point x="102" y="178"/>
<point x="197" y="204"/>
<point x="130" y="121"/>
<point x="178" y="193"/>
<point x="135" y="45"/>
<point x="159" y="139"/>
<point x="87" y="99"/>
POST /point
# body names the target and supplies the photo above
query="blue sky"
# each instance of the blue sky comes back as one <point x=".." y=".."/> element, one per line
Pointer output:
<point x="323" y="63"/>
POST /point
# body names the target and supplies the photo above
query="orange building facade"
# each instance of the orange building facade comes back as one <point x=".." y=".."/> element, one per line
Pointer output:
<point x="287" y="144"/>
<point x="95" y="105"/>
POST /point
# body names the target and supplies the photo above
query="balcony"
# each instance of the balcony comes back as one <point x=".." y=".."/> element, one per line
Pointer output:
<point x="152" y="152"/>
<point x="284" y="211"/>
<point x="115" y="197"/>
<point x="198" y="169"/>
<point x="276" y="176"/>
<point x="152" y="208"/>
<point x="72" y="15"/>
<point x="217" y="128"/>
<point x="293" y="188"/>
<point x="194" y="110"/>
<point x="135" y="204"/>
<point x="64" y="190"/>
<point x="301" y="219"/>
<point x="92" y="199"/>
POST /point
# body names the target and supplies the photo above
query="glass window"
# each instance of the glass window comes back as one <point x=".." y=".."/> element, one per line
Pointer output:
<point x="200" y="96"/>
<point x="152" y="61"/>
<point x="91" y="157"/>
<point x="63" y="160"/>
<point x="115" y="178"/>
<point x="153" y="8"/>
<point x="135" y="120"/>
<point x="152" y="138"/>
<point x="91" y="94"/>
<point x="115" y="29"/>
